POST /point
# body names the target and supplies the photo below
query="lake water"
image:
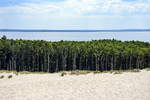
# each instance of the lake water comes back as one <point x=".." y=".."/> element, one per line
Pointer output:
<point x="78" y="36"/>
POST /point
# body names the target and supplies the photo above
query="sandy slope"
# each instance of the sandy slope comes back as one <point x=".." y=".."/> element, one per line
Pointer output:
<point x="126" y="86"/>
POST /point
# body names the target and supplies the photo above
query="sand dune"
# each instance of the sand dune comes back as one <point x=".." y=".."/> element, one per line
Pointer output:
<point x="106" y="86"/>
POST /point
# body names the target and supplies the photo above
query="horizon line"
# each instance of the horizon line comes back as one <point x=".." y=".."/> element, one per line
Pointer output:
<point x="72" y="30"/>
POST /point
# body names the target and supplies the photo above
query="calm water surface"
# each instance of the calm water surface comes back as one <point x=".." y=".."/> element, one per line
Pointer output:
<point x="78" y="36"/>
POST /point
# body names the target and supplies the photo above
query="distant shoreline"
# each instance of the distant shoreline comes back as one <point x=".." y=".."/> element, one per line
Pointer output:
<point x="44" y="30"/>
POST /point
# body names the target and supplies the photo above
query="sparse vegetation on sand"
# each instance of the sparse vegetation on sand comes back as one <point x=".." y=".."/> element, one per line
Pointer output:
<point x="63" y="73"/>
<point x="1" y="77"/>
<point x="21" y="72"/>
<point x="147" y="69"/>
<point x="84" y="72"/>
<point x="79" y="72"/>
<point x="10" y="76"/>
<point x="74" y="72"/>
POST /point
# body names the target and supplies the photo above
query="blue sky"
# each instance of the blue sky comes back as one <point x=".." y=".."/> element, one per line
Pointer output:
<point x="74" y="14"/>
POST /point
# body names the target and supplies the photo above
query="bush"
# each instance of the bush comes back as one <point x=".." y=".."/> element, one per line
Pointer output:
<point x="117" y="72"/>
<point x="96" y="72"/>
<point x="63" y="73"/>
<point x="1" y="77"/>
<point x="10" y="76"/>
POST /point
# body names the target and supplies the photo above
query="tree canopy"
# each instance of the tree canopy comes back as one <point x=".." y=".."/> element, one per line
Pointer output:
<point x="46" y="56"/>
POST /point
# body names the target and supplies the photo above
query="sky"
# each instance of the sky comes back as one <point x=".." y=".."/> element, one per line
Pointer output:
<point x="74" y="14"/>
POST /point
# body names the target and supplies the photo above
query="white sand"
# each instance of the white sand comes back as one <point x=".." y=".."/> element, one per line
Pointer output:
<point x="126" y="86"/>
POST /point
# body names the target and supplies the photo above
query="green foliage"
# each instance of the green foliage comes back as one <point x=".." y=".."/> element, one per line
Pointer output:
<point x="117" y="72"/>
<point x="97" y="72"/>
<point x="1" y="77"/>
<point x="10" y="76"/>
<point x="4" y="37"/>
<point x="28" y="56"/>
<point x="63" y="73"/>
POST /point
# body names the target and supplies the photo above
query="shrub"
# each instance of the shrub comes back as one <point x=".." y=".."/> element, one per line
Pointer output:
<point x="1" y="77"/>
<point x="96" y="72"/>
<point x="10" y="76"/>
<point x="117" y="72"/>
<point x="63" y="73"/>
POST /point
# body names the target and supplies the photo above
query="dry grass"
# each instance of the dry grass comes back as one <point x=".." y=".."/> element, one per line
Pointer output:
<point x="79" y="72"/>
<point x="135" y="70"/>
<point x="21" y="72"/>
<point x="147" y="69"/>
<point x="117" y="72"/>
<point x="97" y="72"/>
<point x="6" y="71"/>
<point x="75" y="72"/>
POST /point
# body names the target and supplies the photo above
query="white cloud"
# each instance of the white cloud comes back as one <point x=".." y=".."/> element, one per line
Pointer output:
<point x="80" y="7"/>
<point x="77" y="14"/>
<point x="29" y="9"/>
